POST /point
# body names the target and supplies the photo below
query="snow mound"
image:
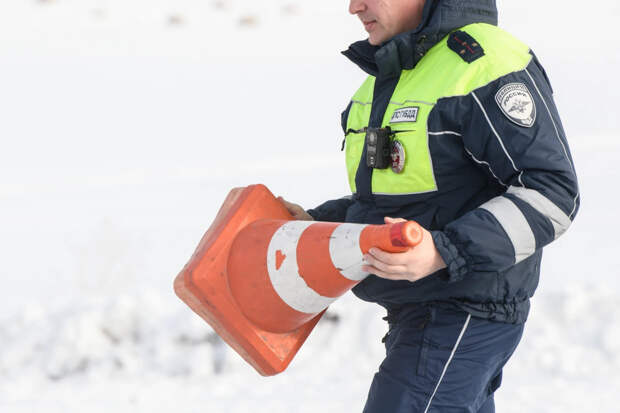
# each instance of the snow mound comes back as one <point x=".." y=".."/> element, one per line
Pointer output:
<point x="121" y="336"/>
<point x="154" y="338"/>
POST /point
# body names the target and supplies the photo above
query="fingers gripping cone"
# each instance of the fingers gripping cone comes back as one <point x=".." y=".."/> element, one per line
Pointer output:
<point x="263" y="280"/>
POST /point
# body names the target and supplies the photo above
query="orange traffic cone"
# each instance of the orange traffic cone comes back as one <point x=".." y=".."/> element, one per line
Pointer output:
<point x="263" y="280"/>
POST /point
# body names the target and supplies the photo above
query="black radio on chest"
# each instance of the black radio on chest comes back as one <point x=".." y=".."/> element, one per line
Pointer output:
<point x="378" y="147"/>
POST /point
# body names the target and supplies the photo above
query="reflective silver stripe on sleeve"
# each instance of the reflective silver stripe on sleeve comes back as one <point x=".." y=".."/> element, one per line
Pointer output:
<point x="542" y="204"/>
<point x="514" y="223"/>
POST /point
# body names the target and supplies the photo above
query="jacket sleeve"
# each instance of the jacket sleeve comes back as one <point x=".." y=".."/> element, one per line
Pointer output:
<point x="512" y="129"/>
<point x="334" y="210"/>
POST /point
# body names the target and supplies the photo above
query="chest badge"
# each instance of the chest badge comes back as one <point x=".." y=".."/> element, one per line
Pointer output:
<point x="515" y="100"/>
<point x="398" y="156"/>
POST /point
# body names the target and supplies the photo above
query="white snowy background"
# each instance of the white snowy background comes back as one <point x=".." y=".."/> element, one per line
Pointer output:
<point x="124" y="124"/>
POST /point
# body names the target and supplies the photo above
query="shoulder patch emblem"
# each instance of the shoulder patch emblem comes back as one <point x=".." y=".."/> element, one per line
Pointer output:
<point x="408" y="114"/>
<point x="465" y="46"/>
<point x="515" y="100"/>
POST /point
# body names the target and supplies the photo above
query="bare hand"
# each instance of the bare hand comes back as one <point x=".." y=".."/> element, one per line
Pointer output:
<point x="296" y="210"/>
<point x="411" y="265"/>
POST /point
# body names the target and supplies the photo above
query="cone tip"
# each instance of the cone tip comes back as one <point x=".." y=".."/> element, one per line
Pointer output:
<point x="412" y="233"/>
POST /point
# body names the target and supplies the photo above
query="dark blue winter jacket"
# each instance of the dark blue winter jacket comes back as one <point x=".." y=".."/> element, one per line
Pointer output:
<point x="505" y="184"/>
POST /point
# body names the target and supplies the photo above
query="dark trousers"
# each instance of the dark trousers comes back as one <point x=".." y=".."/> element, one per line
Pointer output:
<point x="441" y="360"/>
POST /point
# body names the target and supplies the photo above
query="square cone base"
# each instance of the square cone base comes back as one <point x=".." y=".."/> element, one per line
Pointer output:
<point x="203" y="284"/>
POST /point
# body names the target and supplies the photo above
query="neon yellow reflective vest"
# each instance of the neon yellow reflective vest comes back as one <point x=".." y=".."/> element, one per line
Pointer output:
<point x="441" y="73"/>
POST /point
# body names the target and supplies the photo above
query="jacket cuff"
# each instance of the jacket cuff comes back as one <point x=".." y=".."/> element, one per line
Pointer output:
<point x="334" y="210"/>
<point x="456" y="263"/>
<point x="314" y="214"/>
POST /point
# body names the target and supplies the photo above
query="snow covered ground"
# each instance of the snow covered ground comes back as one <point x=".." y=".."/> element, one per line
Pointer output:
<point x="147" y="353"/>
<point x="125" y="123"/>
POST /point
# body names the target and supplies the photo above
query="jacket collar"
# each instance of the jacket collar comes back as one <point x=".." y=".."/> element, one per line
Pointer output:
<point x="405" y="50"/>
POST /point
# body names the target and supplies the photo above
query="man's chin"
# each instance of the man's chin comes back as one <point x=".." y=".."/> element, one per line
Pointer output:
<point x="377" y="38"/>
<point x="374" y="41"/>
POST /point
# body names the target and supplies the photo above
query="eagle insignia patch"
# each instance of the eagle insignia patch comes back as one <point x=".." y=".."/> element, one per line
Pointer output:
<point x="515" y="100"/>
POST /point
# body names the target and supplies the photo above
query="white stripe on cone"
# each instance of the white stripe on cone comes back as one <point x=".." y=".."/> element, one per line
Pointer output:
<point x="287" y="282"/>
<point x="344" y="248"/>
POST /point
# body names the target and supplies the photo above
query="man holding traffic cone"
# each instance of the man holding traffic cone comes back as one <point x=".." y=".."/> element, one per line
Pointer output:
<point x="455" y="128"/>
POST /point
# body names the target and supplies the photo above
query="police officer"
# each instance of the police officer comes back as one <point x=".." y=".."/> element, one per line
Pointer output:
<point x="455" y="127"/>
